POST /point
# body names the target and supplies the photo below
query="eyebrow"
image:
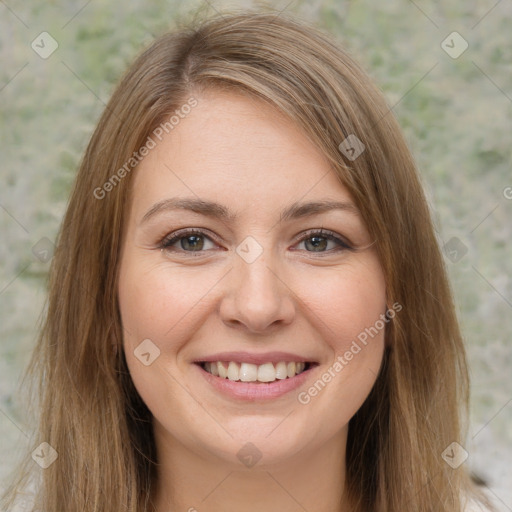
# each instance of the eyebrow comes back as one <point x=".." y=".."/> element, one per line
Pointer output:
<point x="211" y="209"/>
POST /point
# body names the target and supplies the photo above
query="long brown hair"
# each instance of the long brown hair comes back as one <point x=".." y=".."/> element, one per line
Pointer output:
<point x="90" y="411"/>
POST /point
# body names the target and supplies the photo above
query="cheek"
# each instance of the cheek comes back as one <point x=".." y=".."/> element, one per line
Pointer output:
<point x="347" y="302"/>
<point x="349" y="308"/>
<point x="166" y="305"/>
<point x="157" y="301"/>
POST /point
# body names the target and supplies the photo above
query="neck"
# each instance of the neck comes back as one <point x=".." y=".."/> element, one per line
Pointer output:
<point x="308" y="480"/>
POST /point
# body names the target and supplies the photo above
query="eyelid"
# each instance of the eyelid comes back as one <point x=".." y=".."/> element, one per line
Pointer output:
<point x="173" y="237"/>
<point x="170" y="239"/>
<point x="343" y="242"/>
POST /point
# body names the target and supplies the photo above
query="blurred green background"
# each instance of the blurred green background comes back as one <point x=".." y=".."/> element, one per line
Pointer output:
<point x="455" y="110"/>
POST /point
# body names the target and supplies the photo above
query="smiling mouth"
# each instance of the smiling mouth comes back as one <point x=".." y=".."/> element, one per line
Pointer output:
<point x="259" y="374"/>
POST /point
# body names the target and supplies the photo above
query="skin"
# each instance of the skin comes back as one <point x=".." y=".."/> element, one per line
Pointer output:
<point x="296" y="297"/>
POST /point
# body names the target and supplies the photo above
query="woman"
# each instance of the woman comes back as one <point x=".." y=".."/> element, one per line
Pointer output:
<point x="248" y="307"/>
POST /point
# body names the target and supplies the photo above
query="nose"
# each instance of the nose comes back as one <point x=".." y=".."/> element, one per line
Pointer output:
<point x="257" y="298"/>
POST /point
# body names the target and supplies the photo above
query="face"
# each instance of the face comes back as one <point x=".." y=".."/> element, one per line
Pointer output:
<point x="229" y="268"/>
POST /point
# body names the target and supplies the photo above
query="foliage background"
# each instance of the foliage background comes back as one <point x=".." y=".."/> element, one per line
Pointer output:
<point x="455" y="113"/>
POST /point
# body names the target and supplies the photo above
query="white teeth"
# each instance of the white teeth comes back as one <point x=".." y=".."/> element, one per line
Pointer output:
<point x="248" y="372"/>
<point x="223" y="371"/>
<point x="281" y="371"/>
<point x="214" y="370"/>
<point x="291" y="369"/>
<point x="266" y="372"/>
<point x="233" y="371"/>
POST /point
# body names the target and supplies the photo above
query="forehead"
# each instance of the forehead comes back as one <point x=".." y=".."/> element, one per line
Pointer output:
<point x="235" y="149"/>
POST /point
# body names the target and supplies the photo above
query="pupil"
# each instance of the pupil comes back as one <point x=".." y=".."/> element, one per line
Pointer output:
<point x="318" y="242"/>
<point x="193" y="242"/>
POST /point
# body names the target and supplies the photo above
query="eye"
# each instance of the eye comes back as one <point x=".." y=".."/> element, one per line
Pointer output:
<point x="319" y="240"/>
<point x="188" y="241"/>
<point x="197" y="241"/>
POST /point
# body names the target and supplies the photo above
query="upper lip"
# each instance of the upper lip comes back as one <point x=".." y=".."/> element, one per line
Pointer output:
<point x="248" y="357"/>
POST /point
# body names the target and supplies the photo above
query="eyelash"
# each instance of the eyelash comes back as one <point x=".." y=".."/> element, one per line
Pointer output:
<point x="169" y="240"/>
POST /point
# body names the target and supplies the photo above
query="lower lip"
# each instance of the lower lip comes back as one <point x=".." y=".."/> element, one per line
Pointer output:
<point x="251" y="391"/>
